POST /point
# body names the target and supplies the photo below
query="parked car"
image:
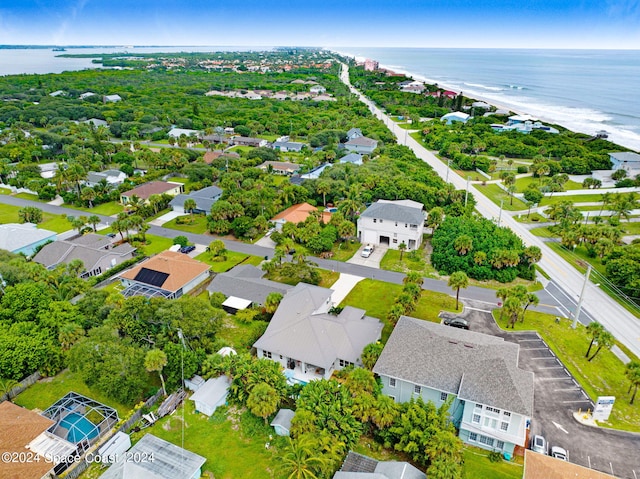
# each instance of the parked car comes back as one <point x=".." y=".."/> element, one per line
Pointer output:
<point x="457" y="323"/>
<point x="111" y="235"/>
<point x="187" y="249"/>
<point x="559" y="453"/>
<point x="366" y="252"/>
<point x="539" y="444"/>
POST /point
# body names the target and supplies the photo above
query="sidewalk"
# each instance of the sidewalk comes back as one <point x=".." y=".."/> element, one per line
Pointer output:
<point x="343" y="287"/>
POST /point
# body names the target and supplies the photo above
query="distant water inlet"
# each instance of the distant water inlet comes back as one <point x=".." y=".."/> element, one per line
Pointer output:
<point x="79" y="427"/>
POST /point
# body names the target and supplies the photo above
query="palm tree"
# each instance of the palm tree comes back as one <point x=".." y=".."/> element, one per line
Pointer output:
<point x="189" y="206"/>
<point x="633" y="374"/>
<point x="272" y="302"/>
<point x="323" y="187"/>
<point x="88" y="194"/>
<point x="606" y="201"/>
<point x="532" y="298"/>
<point x="93" y="220"/>
<point x="593" y="329"/>
<point x="402" y="247"/>
<point x="435" y="217"/>
<point x="463" y="244"/>
<point x="605" y="340"/>
<point x="301" y="460"/>
<point x="370" y="354"/>
<point x="458" y="280"/>
<point x="6" y="385"/>
<point x="156" y="360"/>
<point x="263" y="400"/>
<point x="69" y="334"/>
<point x="512" y="307"/>
<point x="413" y="277"/>
<point x="385" y="413"/>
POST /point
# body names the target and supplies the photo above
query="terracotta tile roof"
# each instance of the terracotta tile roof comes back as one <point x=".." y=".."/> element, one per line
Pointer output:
<point x="539" y="466"/>
<point x="180" y="268"/>
<point x="300" y="212"/>
<point x="152" y="188"/>
<point x="18" y="427"/>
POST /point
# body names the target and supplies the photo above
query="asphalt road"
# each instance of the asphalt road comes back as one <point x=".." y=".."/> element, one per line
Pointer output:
<point x="624" y="325"/>
<point x="556" y="396"/>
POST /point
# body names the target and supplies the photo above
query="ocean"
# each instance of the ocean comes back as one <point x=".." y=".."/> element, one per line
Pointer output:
<point x="582" y="90"/>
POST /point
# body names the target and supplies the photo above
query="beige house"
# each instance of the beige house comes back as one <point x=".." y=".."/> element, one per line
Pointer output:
<point x="152" y="188"/>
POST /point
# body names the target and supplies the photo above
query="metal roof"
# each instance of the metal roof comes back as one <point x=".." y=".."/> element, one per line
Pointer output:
<point x="400" y="211"/>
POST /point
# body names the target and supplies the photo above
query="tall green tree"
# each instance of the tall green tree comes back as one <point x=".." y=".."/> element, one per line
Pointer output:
<point x="263" y="401"/>
<point x="633" y="374"/>
<point x="605" y="341"/>
<point x="155" y="361"/>
<point x="594" y="329"/>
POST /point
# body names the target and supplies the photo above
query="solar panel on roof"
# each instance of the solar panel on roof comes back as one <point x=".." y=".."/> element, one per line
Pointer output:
<point x="149" y="276"/>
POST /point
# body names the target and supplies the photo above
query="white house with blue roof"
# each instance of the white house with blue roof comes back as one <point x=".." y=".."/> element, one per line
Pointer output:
<point x="491" y="398"/>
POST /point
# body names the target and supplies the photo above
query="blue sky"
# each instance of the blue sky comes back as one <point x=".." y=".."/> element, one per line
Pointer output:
<point x="326" y="23"/>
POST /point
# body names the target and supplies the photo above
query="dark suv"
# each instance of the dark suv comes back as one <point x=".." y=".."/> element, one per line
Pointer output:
<point x="187" y="249"/>
<point x="457" y="323"/>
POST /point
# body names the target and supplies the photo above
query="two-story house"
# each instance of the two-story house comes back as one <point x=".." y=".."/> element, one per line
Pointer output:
<point x="491" y="398"/>
<point x="391" y="223"/>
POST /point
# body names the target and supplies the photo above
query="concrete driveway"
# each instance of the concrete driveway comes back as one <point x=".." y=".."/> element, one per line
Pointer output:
<point x="557" y="396"/>
<point x="372" y="261"/>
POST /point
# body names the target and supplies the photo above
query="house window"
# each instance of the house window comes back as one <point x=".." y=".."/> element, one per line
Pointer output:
<point x="492" y="409"/>
<point x="486" y="440"/>
<point x="392" y="382"/>
<point x="344" y="364"/>
<point x="396" y="223"/>
<point x="478" y="406"/>
<point x="417" y="389"/>
<point x="507" y="413"/>
<point x="473" y="436"/>
<point x="443" y="396"/>
<point x="375" y="220"/>
<point x="266" y="354"/>
<point x="405" y="225"/>
<point x="504" y="426"/>
<point x="476" y="418"/>
<point x="380" y="221"/>
<point x="500" y="445"/>
<point x="393" y="397"/>
<point x="395" y="240"/>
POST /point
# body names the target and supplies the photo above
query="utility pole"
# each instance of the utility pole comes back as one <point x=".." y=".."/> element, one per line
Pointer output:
<point x="466" y="195"/>
<point x="579" y="307"/>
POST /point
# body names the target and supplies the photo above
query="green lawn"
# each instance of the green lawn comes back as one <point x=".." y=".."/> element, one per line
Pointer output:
<point x="5" y="191"/>
<point x="106" y="209"/>
<point x="50" y="221"/>
<point x="572" y="198"/>
<point x="543" y="232"/>
<point x="9" y="214"/>
<point x="198" y="226"/>
<point x="241" y="336"/>
<point x="47" y="391"/>
<point x="415" y="261"/>
<point x="344" y="250"/>
<point x="376" y="298"/>
<point x="497" y="194"/>
<point x="604" y="376"/>
<point x="28" y="196"/>
<point x="478" y="466"/>
<point x="156" y="244"/>
<point x="523" y="183"/>
<point x="327" y="278"/>
<point x="233" y="448"/>
<point x="233" y="259"/>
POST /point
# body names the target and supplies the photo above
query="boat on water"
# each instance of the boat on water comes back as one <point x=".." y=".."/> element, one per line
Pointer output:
<point x="59" y="49"/>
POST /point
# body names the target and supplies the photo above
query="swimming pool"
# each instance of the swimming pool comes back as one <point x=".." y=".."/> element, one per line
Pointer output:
<point x="80" y="428"/>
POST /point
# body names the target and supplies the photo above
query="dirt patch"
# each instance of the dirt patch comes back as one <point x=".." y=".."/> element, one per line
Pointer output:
<point x="233" y="415"/>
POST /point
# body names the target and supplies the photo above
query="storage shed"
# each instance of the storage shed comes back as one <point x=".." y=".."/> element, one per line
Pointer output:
<point x="211" y="395"/>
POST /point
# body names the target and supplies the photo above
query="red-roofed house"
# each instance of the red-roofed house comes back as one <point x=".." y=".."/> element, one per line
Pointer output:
<point x="297" y="214"/>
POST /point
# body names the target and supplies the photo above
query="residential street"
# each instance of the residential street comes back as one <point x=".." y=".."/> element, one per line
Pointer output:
<point x="624" y="326"/>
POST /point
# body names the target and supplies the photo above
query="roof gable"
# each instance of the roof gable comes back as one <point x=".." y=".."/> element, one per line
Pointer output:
<point x="400" y="211"/>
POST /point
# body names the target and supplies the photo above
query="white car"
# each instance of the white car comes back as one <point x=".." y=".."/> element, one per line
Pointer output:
<point x="559" y="453"/>
<point x="366" y="252"/>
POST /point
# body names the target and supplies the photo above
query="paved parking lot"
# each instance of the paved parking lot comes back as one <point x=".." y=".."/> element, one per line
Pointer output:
<point x="556" y="397"/>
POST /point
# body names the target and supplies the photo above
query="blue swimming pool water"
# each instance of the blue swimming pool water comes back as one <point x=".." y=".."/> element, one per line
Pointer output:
<point x="80" y="428"/>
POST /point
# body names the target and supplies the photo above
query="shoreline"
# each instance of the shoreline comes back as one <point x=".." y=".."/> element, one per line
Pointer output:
<point x="613" y="138"/>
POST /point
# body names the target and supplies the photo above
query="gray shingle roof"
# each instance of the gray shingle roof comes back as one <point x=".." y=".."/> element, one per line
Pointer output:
<point x="204" y="198"/>
<point x="395" y="211"/>
<point x="362" y="141"/>
<point x="245" y="281"/>
<point x="357" y="466"/>
<point x="302" y="329"/>
<point x="477" y="367"/>
<point x="351" y="158"/>
<point x="212" y="391"/>
<point x="283" y="418"/>
<point x="627" y="156"/>
<point x="169" y="461"/>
